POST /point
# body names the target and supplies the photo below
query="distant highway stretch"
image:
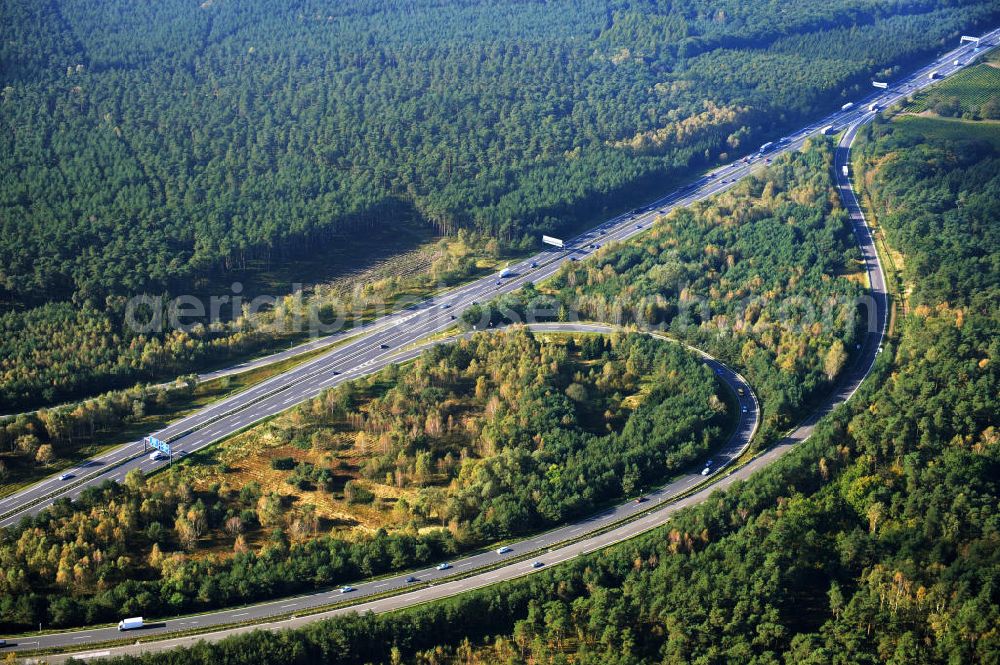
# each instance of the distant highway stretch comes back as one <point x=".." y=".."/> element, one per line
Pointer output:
<point x="381" y="340"/>
<point x="364" y="355"/>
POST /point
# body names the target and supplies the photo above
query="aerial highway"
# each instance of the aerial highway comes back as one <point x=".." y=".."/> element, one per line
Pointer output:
<point x="396" y="343"/>
<point x="748" y="418"/>
<point x="381" y="340"/>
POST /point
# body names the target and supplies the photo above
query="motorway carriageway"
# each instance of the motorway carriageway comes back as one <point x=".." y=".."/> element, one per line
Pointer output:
<point x="371" y="354"/>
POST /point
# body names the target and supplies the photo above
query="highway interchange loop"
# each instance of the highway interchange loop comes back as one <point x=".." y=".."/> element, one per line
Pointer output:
<point x="379" y="344"/>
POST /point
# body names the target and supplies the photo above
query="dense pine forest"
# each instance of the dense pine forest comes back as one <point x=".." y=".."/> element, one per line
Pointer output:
<point x="151" y="147"/>
<point x="877" y="541"/>
<point x="478" y="441"/>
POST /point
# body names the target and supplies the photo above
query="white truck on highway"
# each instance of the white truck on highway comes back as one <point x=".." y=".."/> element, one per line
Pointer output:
<point x="844" y="170"/>
<point x="934" y="75"/>
<point x="130" y="624"/>
<point x="847" y="107"/>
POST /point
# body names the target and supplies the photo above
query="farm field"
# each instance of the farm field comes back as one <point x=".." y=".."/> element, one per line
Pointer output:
<point x="966" y="107"/>
<point x="964" y="94"/>
<point x="955" y="129"/>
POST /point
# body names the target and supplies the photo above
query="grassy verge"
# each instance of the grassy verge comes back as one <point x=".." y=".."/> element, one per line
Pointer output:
<point x="892" y="273"/>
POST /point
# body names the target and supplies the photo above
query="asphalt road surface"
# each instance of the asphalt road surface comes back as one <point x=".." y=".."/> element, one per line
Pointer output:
<point x="378" y="348"/>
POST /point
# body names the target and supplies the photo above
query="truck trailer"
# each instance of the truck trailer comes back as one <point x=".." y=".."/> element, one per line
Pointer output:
<point x="847" y="107"/>
<point x="844" y="170"/>
<point x="130" y="624"/>
<point x="826" y="131"/>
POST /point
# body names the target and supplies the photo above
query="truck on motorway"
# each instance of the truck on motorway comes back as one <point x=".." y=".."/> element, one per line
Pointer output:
<point x="934" y="75"/>
<point x="767" y="146"/>
<point x="844" y="170"/>
<point x="506" y="272"/>
<point x="847" y="107"/>
<point x="156" y="456"/>
<point x="873" y="107"/>
<point x="826" y="131"/>
<point x="130" y="624"/>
